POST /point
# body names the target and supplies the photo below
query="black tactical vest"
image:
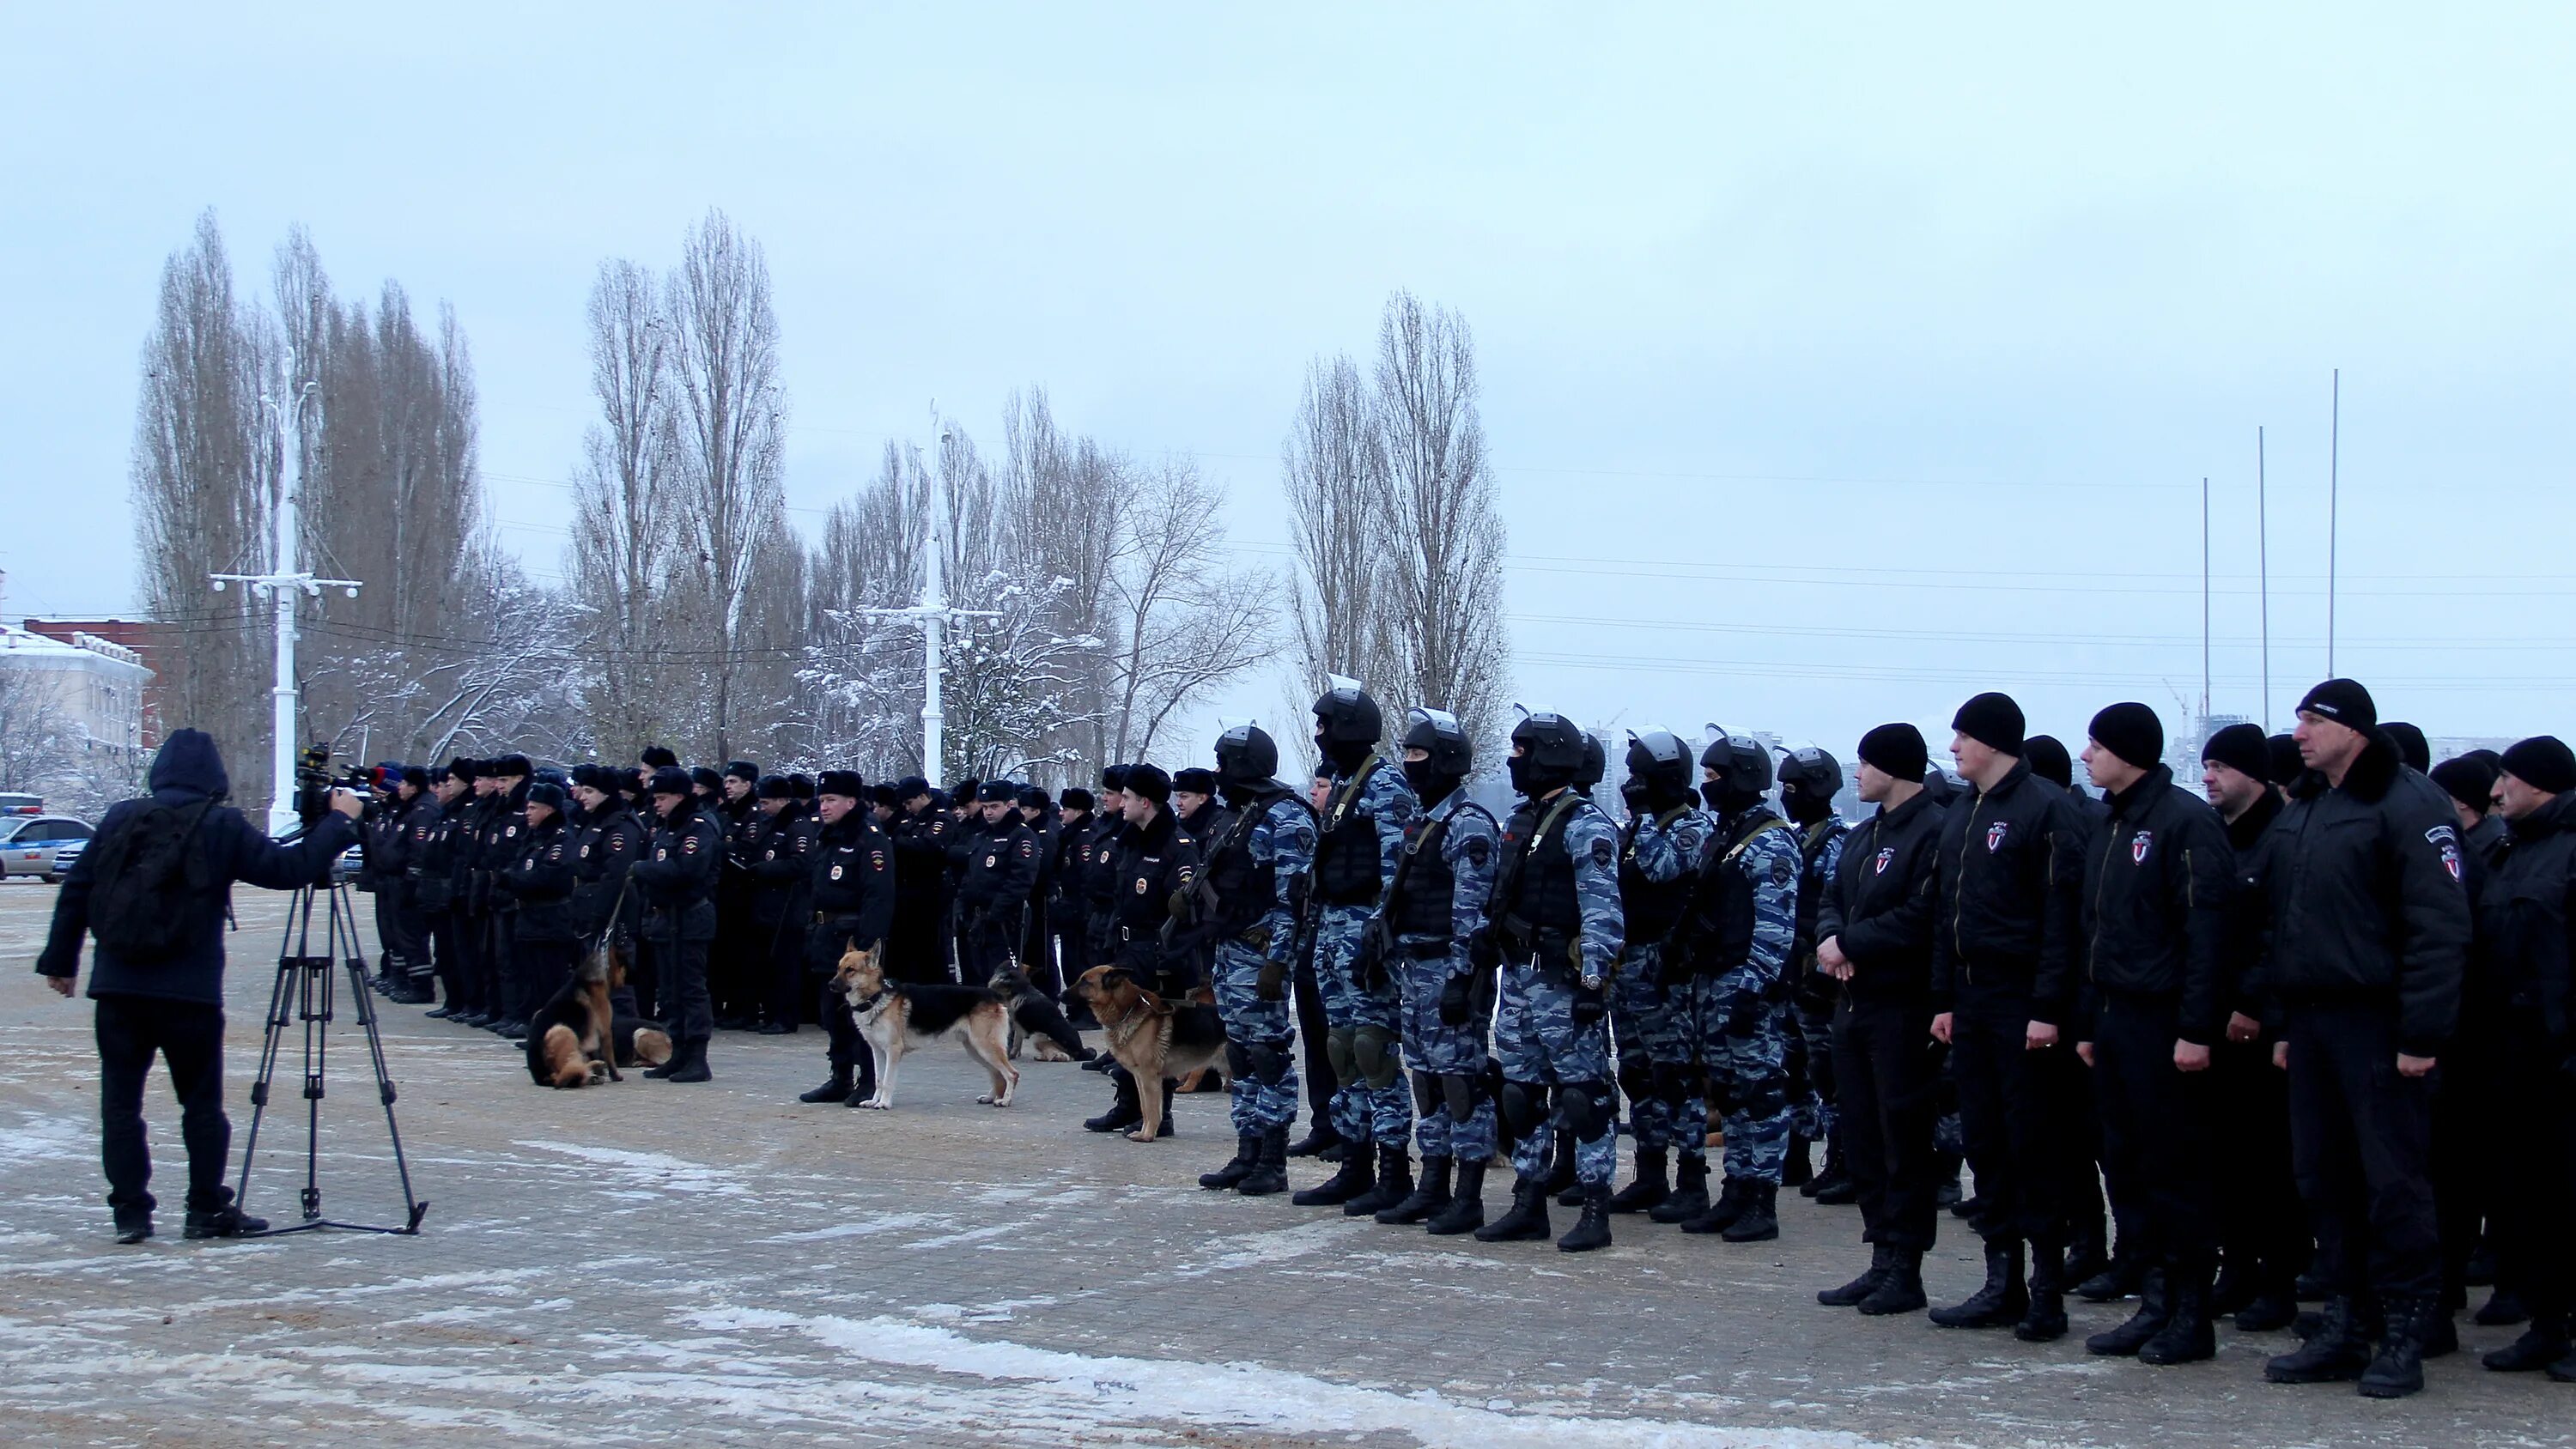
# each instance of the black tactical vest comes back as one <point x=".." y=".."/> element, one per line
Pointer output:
<point x="1425" y="887"/>
<point x="1536" y="884"/>
<point x="1724" y="901"/>
<point x="1244" y="888"/>
<point x="1346" y="856"/>
<point x="1652" y="908"/>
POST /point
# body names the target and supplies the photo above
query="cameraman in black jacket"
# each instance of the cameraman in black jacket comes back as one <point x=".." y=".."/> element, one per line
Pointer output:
<point x="2369" y="941"/>
<point x="174" y="1004"/>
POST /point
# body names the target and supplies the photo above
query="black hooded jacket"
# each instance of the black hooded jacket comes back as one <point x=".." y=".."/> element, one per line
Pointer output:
<point x="2523" y="923"/>
<point x="1879" y="906"/>
<point x="2364" y="898"/>
<point x="187" y="770"/>
<point x="2157" y="880"/>
<point x="2012" y="881"/>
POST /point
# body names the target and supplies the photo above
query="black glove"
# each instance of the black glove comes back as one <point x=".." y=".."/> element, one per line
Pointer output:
<point x="1271" y="982"/>
<point x="1591" y="1003"/>
<point x="1744" y="1010"/>
<point x="1456" y="1008"/>
<point x="1482" y="952"/>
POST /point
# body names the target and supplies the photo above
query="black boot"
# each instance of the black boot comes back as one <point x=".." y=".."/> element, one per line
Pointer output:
<point x="2544" y="1343"/>
<point x="2334" y="1353"/>
<point x="1123" y="1113"/>
<point x="1394" y="1183"/>
<point x="2004" y="1299"/>
<point x="1319" y="1137"/>
<point x="1247" y="1151"/>
<point x="2271" y="1311"/>
<point x="1171" y="1089"/>
<point x="2234" y="1291"/>
<point x="1760" y="1220"/>
<point x="835" y="1090"/>
<point x="1355" y="1176"/>
<point x="1592" y="1230"/>
<point x="2398" y="1369"/>
<point x="1945" y="1179"/>
<point x="1850" y="1294"/>
<point x="1528" y="1218"/>
<point x="1797" y="1169"/>
<point x="228" y="1221"/>
<point x="1270" y="1173"/>
<point x="1465" y="1210"/>
<point x="1560" y="1173"/>
<point x="1651" y="1186"/>
<point x="1423" y="1201"/>
<point x="1901" y="1291"/>
<point x="2154" y="1307"/>
<point x="695" y="1068"/>
<point x="1689" y="1197"/>
<point x="134" y="1227"/>
<point x="1835" y="1186"/>
<point x="2045" y="1320"/>
<point x="1722" y="1213"/>
<point x="2187" y="1336"/>
<point x="2441" y="1336"/>
<point x="2503" y="1307"/>
<point x="2126" y="1275"/>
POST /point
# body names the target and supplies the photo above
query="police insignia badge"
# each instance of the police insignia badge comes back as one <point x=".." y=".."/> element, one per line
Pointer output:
<point x="1886" y="855"/>
<point x="1995" y="834"/>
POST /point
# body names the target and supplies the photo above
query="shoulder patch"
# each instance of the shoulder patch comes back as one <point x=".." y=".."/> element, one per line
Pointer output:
<point x="1781" y="871"/>
<point x="617" y="840"/>
<point x="1604" y="851"/>
<point x="1028" y="848"/>
<point x="1478" y="850"/>
<point x="689" y="843"/>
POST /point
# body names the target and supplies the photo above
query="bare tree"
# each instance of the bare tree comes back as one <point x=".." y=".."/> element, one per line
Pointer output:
<point x="1333" y="469"/>
<point x="626" y="529"/>
<point x="1183" y="621"/>
<point x="1441" y="595"/>
<point x="38" y="740"/>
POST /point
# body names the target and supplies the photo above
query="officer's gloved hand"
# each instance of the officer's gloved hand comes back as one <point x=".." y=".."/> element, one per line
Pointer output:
<point x="1482" y="950"/>
<point x="1590" y="1004"/>
<point x="1271" y="982"/>
<point x="1744" y="1008"/>
<point x="1456" y="1000"/>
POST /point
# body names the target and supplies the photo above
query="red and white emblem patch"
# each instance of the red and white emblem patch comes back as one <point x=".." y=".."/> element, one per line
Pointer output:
<point x="836" y="872"/>
<point x="689" y="844"/>
<point x="1995" y="834"/>
<point x="2451" y="860"/>
<point x="2139" y="844"/>
<point x="1886" y="857"/>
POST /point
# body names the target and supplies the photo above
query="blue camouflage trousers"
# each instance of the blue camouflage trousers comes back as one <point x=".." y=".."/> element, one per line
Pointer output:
<point x="1658" y="1055"/>
<point x="1365" y="1028"/>
<point x="1743" y="1043"/>
<point x="1252" y="1023"/>
<point x="1434" y="1048"/>
<point x="1811" y="1069"/>
<point x="1540" y="1045"/>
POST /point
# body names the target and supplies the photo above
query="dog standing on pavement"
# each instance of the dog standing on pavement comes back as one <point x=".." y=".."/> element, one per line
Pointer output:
<point x="1157" y="1041"/>
<point x="895" y="1017"/>
<point x="1035" y="1015"/>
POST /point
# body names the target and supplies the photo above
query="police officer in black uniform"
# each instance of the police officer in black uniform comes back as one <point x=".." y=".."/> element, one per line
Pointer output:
<point x="1156" y="862"/>
<point x="999" y="875"/>
<point x="782" y="843"/>
<point x="914" y="949"/>
<point x="427" y="885"/>
<point x="851" y="891"/>
<point x="496" y="852"/>
<point x="539" y="886"/>
<point x="1068" y="911"/>
<point x="677" y="879"/>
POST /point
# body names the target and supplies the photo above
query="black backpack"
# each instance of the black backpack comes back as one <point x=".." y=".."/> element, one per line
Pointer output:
<point x="149" y="878"/>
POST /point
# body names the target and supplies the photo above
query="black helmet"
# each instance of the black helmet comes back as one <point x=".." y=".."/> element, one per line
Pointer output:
<point x="1742" y="763"/>
<point x="1661" y="763"/>
<point x="1596" y="763"/>
<point x="1438" y="733"/>
<point x="1811" y="771"/>
<point x="1246" y="755"/>
<point x="1551" y="753"/>
<point x="1346" y="716"/>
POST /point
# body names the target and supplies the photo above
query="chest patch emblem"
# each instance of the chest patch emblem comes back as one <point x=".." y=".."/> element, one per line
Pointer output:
<point x="1995" y="834"/>
<point x="836" y="872"/>
<point x="1886" y="856"/>
<point x="2139" y="845"/>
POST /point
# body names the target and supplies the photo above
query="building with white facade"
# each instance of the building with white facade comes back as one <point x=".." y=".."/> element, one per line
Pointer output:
<point x="94" y="685"/>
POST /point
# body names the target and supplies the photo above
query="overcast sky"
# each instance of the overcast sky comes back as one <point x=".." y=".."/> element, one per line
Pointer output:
<point x="1835" y="369"/>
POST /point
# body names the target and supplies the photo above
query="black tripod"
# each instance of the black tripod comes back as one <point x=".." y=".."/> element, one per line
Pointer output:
<point x="303" y="995"/>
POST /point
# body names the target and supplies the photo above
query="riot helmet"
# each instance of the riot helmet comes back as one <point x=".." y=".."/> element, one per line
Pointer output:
<point x="1810" y="778"/>
<point x="1347" y="723"/>
<point x="1450" y="754"/>
<point x="1743" y="768"/>
<point x="1246" y="755"/>
<point x="1658" y="770"/>
<point x="1549" y="754"/>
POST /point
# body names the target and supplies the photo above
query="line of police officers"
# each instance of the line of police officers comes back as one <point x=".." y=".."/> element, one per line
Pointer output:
<point x="2280" y="1024"/>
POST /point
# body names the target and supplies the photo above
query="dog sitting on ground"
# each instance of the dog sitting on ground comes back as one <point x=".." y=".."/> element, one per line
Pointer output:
<point x="1157" y="1041"/>
<point x="1035" y="1015"/>
<point x="895" y="1017"/>
<point x="572" y="1039"/>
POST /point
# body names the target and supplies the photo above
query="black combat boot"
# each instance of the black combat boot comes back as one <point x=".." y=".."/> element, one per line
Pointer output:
<point x="2272" y="1310"/>
<point x="1901" y="1291"/>
<point x="1528" y="1218"/>
<point x="2502" y="1308"/>
<point x="694" y="1069"/>
<point x="2235" y="1289"/>
<point x="1320" y="1138"/>
<point x="2441" y="1336"/>
<point x="1394" y="1183"/>
<point x="1123" y="1113"/>
<point x="2126" y="1275"/>
<point x="2544" y="1343"/>
<point x="1247" y="1151"/>
<point x="1171" y="1089"/>
<point x="2155" y="1305"/>
<point x="134" y="1226"/>
<point x="2004" y="1299"/>
<point x="1592" y="1230"/>
<point x="2334" y="1353"/>
<point x="836" y="1089"/>
<point x="1835" y="1186"/>
<point x="1423" y="1201"/>
<point x="1356" y="1175"/>
<point x="1850" y="1294"/>
<point x="2398" y="1369"/>
<point x="1689" y="1197"/>
<point x="1651" y="1186"/>
<point x="2045" y="1320"/>
<point x="1270" y="1173"/>
<point x="228" y="1221"/>
<point x="1797" y="1169"/>
<point x="1945" y="1179"/>
<point x="2186" y="1336"/>
<point x="1560" y="1172"/>
<point x="1760" y="1220"/>
<point x="1721" y="1214"/>
<point x="1465" y="1210"/>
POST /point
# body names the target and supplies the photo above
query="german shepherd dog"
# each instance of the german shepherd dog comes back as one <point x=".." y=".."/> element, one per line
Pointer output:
<point x="572" y="1039"/>
<point x="898" y="1016"/>
<point x="1035" y="1015"/>
<point x="1155" y="1040"/>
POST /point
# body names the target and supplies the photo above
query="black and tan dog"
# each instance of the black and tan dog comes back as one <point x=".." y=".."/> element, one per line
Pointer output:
<point x="896" y="1016"/>
<point x="1157" y="1041"/>
<point x="1035" y="1015"/>
<point x="571" y="1039"/>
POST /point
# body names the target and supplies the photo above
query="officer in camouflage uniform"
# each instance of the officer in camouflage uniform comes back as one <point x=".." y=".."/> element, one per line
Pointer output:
<point x="1809" y="780"/>
<point x="1357" y="845"/>
<point x="1249" y="891"/>
<point x="1659" y="855"/>
<point x="1435" y="903"/>
<point x="1743" y="919"/>
<point x="1554" y="927"/>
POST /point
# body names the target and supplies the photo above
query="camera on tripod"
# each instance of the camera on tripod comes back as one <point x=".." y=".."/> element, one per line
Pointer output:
<point x="314" y="782"/>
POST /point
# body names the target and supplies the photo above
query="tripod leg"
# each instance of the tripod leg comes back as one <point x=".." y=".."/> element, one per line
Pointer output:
<point x="412" y="1207"/>
<point x="271" y="1039"/>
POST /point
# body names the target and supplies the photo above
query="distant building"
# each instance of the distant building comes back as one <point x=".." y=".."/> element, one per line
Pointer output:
<point x="142" y="636"/>
<point x="97" y="684"/>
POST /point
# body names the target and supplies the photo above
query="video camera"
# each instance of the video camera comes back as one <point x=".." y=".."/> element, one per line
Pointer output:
<point x="314" y="783"/>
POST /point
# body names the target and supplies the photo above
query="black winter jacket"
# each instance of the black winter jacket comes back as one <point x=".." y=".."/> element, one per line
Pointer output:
<point x="2523" y="921"/>
<point x="2156" y="888"/>
<point x="187" y="770"/>
<point x="1879" y="908"/>
<point x="851" y="888"/>
<point x="2364" y="897"/>
<point x="540" y="882"/>
<point x="2012" y="882"/>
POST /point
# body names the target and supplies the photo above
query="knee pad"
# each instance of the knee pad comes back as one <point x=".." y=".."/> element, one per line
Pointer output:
<point x="1678" y="1083"/>
<point x="1238" y="1061"/>
<point x="1637" y="1077"/>
<point x="1766" y="1098"/>
<point x="1373" y="1052"/>
<point x="1337" y="1050"/>
<point x="1583" y="1109"/>
<point x="1426" y="1094"/>
<point x="1522" y="1104"/>
<point x="1265" y="1062"/>
<point x="1461" y="1095"/>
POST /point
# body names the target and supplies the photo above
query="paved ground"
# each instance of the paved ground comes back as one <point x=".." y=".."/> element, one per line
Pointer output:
<point x="718" y="1264"/>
